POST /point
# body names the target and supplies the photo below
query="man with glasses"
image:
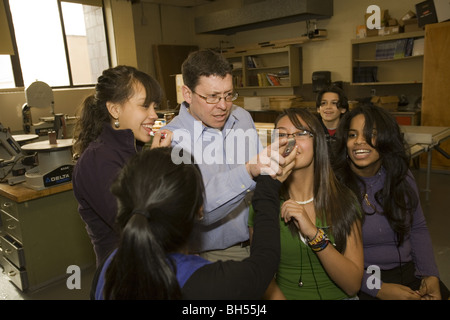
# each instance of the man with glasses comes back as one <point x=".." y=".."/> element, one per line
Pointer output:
<point x="224" y="143"/>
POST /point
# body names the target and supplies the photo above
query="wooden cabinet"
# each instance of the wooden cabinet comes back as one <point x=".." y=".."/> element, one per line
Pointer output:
<point x="436" y="86"/>
<point x="379" y="60"/>
<point x="41" y="235"/>
<point x="267" y="68"/>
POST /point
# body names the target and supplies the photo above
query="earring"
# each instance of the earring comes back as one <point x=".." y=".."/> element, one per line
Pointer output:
<point x="117" y="123"/>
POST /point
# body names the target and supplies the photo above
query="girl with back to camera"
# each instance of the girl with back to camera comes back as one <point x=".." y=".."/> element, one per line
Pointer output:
<point x="321" y="248"/>
<point x="114" y="124"/>
<point x="159" y="203"/>
<point x="372" y="159"/>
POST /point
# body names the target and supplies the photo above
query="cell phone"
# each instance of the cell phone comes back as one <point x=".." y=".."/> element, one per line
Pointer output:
<point x="290" y="146"/>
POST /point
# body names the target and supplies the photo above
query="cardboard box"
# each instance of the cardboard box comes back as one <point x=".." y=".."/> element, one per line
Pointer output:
<point x="387" y="102"/>
<point x="352" y="104"/>
<point x="410" y="25"/>
<point x="392" y="22"/>
<point x="256" y="103"/>
<point x="280" y="103"/>
<point x="372" y="32"/>
<point x="384" y="31"/>
<point x="409" y="15"/>
<point x="361" y="32"/>
<point x="408" y="22"/>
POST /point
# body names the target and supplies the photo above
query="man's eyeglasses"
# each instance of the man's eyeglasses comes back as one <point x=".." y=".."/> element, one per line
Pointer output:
<point x="214" y="98"/>
<point x="299" y="135"/>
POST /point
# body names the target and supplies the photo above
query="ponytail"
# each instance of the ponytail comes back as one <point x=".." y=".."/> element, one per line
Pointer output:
<point x="158" y="202"/>
<point x="149" y="274"/>
<point x="93" y="115"/>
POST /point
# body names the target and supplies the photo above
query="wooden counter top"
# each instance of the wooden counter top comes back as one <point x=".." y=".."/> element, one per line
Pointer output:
<point x="21" y="193"/>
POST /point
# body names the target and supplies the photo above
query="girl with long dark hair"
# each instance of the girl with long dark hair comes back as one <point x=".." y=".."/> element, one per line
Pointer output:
<point x="321" y="248"/>
<point x="159" y="203"/>
<point x="115" y="123"/>
<point x="372" y="160"/>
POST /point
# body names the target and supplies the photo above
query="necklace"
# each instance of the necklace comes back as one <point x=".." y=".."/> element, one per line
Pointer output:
<point x="300" y="282"/>
<point x="305" y="202"/>
<point x="366" y="200"/>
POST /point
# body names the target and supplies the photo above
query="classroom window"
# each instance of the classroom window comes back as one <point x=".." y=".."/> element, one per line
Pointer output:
<point x="62" y="43"/>
<point x="6" y="73"/>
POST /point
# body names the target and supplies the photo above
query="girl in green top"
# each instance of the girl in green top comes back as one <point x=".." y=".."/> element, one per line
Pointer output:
<point x="321" y="244"/>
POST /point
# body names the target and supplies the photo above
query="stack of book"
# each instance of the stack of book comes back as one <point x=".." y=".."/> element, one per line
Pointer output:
<point x="269" y="79"/>
<point x="396" y="49"/>
<point x="254" y="62"/>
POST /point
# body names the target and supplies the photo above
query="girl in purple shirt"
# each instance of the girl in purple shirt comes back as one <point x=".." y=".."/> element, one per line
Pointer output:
<point x="371" y="159"/>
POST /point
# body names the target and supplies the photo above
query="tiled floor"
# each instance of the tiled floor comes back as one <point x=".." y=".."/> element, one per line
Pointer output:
<point x="56" y="291"/>
<point x="436" y="212"/>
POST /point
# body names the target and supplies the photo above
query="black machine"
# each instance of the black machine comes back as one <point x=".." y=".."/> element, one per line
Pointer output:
<point x="321" y="80"/>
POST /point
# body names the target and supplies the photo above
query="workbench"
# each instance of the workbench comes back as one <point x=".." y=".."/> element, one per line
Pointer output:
<point x="41" y="235"/>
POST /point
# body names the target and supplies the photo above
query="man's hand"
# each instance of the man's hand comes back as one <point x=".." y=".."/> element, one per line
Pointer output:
<point x="271" y="162"/>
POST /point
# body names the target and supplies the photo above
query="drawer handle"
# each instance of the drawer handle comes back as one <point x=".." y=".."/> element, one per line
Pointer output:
<point x="7" y="204"/>
<point x="11" y="227"/>
<point x="8" y="251"/>
<point x="11" y="273"/>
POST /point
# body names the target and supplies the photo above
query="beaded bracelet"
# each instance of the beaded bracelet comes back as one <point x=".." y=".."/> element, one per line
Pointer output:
<point x="320" y="235"/>
<point x="320" y="241"/>
<point x="320" y="246"/>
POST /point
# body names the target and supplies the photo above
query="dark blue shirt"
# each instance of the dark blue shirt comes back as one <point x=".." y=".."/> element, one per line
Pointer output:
<point x="93" y="175"/>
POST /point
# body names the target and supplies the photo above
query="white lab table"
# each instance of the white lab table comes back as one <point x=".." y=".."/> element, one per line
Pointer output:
<point x="426" y="139"/>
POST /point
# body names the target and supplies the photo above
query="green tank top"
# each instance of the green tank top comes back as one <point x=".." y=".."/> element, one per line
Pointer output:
<point x="299" y="261"/>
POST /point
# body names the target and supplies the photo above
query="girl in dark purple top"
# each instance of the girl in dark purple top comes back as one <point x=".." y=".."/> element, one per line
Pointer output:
<point x="115" y="123"/>
<point x="371" y="159"/>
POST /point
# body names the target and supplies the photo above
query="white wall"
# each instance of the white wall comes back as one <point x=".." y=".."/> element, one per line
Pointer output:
<point x="177" y="27"/>
<point x="334" y="54"/>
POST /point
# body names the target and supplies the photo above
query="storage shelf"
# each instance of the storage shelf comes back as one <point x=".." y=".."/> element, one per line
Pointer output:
<point x="415" y="34"/>
<point x="384" y="83"/>
<point x="388" y="60"/>
<point x="255" y="66"/>
<point x="270" y="67"/>
<point x="377" y="72"/>
<point x="262" y="87"/>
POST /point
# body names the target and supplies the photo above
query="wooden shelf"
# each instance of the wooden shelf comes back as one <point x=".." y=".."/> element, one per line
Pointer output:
<point x="392" y="71"/>
<point x="389" y="60"/>
<point x="384" y="83"/>
<point x="252" y="66"/>
<point x="270" y="67"/>
<point x="415" y="34"/>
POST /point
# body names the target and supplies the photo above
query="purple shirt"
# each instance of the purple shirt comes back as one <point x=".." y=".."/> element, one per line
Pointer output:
<point x="93" y="175"/>
<point x="380" y="248"/>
